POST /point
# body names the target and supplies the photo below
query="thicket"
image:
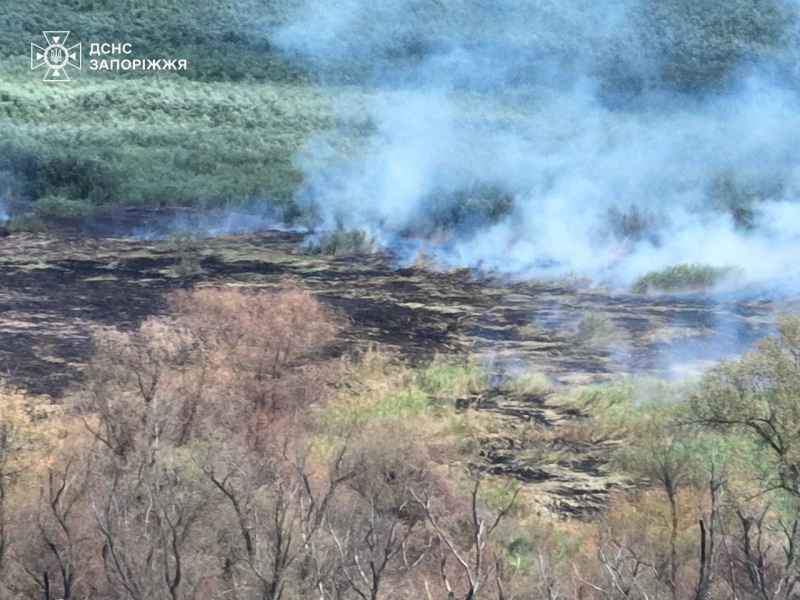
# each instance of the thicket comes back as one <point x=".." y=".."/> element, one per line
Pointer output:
<point x="682" y="278"/>
<point x="223" y="131"/>
<point x="157" y="142"/>
<point x="226" y="129"/>
<point x="342" y="242"/>
<point x="697" y="45"/>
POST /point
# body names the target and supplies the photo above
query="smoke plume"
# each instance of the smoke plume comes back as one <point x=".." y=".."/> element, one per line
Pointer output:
<point x="598" y="138"/>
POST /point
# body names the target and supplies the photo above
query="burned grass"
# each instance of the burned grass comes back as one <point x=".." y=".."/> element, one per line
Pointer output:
<point x="57" y="290"/>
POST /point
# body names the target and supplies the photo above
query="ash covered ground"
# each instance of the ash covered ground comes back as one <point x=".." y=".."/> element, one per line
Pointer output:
<point x="57" y="288"/>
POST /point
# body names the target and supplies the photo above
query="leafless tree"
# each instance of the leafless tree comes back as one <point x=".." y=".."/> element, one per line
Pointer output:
<point x="145" y="513"/>
<point x="58" y="527"/>
<point x="473" y="567"/>
<point x="278" y="510"/>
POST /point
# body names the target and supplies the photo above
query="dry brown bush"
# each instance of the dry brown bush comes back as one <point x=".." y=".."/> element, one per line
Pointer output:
<point x="264" y="347"/>
<point x="230" y="360"/>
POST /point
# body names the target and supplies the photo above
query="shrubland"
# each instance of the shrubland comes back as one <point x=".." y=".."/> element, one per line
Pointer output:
<point x="225" y="450"/>
<point x="696" y="45"/>
<point x="227" y="129"/>
<point x="157" y="142"/>
<point x="196" y="464"/>
<point x="222" y="131"/>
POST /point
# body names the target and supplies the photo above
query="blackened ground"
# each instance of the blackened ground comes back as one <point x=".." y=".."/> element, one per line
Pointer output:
<point x="56" y="289"/>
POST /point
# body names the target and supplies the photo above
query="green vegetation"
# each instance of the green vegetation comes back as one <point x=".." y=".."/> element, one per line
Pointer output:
<point x="465" y="210"/>
<point x="27" y="221"/>
<point x="699" y="44"/>
<point x="598" y="328"/>
<point x="451" y="380"/>
<point x="343" y="242"/>
<point x="157" y="141"/>
<point x="529" y="384"/>
<point x="756" y="399"/>
<point x="229" y="409"/>
<point x="682" y="278"/>
<point x="226" y="129"/>
<point x="223" y="131"/>
<point x="59" y="206"/>
<point x="221" y="41"/>
<point x="405" y="404"/>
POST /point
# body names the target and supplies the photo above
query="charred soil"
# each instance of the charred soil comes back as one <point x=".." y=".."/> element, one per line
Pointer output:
<point x="57" y="288"/>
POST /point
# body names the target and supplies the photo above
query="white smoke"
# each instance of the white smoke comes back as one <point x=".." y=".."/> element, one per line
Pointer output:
<point x="572" y="110"/>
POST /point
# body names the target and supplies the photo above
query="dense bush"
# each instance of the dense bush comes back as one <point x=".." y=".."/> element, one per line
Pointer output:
<point x="208" y="454"/>
<point x="682" y="278"/>
<point x="699" y="44"/>
<point x="59" y="206"/>
<point x="343" y="242"/>
<point x="464" y="210"/>
<point x="155" y="138"/>
<point x="158" y="142"/>
<point x="191" y="470"/>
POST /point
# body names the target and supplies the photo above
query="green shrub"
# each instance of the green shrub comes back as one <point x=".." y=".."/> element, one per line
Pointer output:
<point x="598" y="327"/>
<point x="343" y="242"/>
<point x="697" y="44"/>
<point x="682" y="278"/>
<point x="28" y="221"/>
<point x="754" y="399"/>
<point x="59" y="206"/>
<point x="464" y="210"/>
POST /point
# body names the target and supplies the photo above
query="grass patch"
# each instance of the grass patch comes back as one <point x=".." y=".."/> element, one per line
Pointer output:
<point x="616" y="408"/>
<point x="598" y="328"/>
<point x="625" y="394"/>
<point x="450" y="380"/>
<point x="381" y="391"/>
<point x="532" y="383"/>
<point x="682" y="278"/>
<point x="407" y="403"/>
